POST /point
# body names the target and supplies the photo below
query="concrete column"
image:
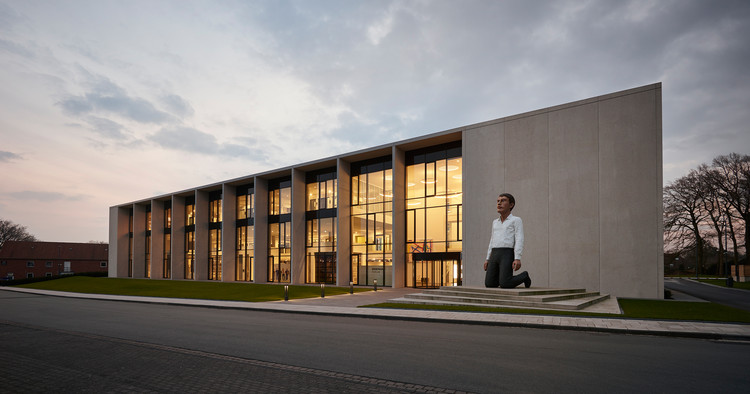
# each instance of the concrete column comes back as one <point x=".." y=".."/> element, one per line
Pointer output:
<point x="261" y="231"/>
<point x="139" y="241"/>
<point x="483" y="155"/>
<point x="157" y="239"/>
<point x="343" y="223"/>
<point x="201" y="234"/>
<point x="229" y="233"/>
<point x="117" y="266"/>
<point x="178" y="237"/>
<point x="298" y="227"/>
<point x="399" y="217"/>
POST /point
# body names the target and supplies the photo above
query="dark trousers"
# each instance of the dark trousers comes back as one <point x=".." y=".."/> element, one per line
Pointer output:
<point x="500" y="270"/>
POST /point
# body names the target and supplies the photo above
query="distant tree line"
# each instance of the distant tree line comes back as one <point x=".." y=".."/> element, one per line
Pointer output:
<point x="10" y="231"/>
<point x="706" y="214"/>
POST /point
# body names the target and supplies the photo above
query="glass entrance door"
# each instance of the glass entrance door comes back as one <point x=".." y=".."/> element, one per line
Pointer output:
<point x="432" y="270"/>
<point x="325" y="267"/>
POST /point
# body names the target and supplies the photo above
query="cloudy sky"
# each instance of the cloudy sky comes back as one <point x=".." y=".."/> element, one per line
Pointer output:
<point x="106" y="102"/>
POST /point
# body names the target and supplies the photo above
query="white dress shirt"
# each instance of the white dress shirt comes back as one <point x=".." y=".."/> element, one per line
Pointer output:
<point x="507" y="234"/>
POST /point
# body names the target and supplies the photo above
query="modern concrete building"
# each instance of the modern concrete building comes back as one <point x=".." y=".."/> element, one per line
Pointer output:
<point x="587" y="177"/>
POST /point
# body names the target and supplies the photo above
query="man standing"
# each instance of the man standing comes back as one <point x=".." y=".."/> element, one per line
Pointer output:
<point x="506" y="247"/>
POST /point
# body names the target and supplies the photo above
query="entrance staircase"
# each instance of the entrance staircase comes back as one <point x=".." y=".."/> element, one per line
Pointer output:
<point x="532" y="298"/>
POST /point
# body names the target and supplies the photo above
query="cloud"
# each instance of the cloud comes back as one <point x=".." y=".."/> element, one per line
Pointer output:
<point x="45" y="196"/>
<point x="107" y="128"/>
<point x="6" y="156"/>
<point x="177" y="105"/>
<point x="188" y="139"/>
<point x="104" y="96"/>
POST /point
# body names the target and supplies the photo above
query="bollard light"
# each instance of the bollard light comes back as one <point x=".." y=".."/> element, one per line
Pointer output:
<point x="286" y="292"/>
<point x="375" y="281"/>
<point x="351" y="287"/>
<point x="322" y="290"/>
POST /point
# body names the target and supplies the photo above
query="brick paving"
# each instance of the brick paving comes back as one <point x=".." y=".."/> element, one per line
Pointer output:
<point x="42" y="360"/>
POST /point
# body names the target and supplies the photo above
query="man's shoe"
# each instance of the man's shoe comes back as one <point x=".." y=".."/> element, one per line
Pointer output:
<point x="527" y="282"/>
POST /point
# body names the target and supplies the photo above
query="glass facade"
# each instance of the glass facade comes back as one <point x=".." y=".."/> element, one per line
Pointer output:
<point x="432" y="237"/>
<point x="372" y="222"/>
<point x="245" y="233"/>
<point x="280" y="230"/>
<point x="190" y="238"/>
<point x="214" y="240"/>
<point x="434" y="216"/>
<point x="320" y="240"/>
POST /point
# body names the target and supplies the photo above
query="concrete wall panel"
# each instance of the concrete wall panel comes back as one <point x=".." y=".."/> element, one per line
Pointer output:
<point x="399" y="217"/>
<point x="299" y="225"/>
<point x="260" y="261"/>
<point x="157" y="239"/>
<point x="139" y="241"/>
<point x="574" y="197"/>
<point x="483" y="179"/>
<point x="527" y="179"/>
<point x="629" y="206"/>
<point x="343" y="227"/>
<point x="228" y="233"/>
<point x="202" y="216"/>
<point x="118" y="242"/>
<point x="178" y="237"/>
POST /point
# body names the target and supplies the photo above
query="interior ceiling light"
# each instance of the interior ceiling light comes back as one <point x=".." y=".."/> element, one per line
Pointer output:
<point x="448" y="168"/>
<point x="428" y="182"/>
<point x="459" y="176"/>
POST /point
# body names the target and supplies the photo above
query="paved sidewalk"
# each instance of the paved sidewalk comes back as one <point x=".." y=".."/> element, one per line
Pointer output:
<point x="347" y="305"/>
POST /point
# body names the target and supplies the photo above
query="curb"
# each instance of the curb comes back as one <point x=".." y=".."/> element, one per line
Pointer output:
<point x="397" y="314"/>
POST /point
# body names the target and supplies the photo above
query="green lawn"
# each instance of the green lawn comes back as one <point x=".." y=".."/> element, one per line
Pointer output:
<point x="723" y="283"/>
<point x="185" y="289"/>
<point x="632" y="308"/>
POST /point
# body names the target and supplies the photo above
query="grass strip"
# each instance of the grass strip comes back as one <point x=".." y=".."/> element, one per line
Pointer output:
<point x="723" y="283"/>
<point x="632" y="309"/>
<point x="250" y="292"/>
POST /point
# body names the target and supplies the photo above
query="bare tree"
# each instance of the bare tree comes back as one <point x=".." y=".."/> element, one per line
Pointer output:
<point x="684" y="214"/>
<point x="10" y="231"/>
<point x="711" y="201"/>
<point x="734" y="186"/>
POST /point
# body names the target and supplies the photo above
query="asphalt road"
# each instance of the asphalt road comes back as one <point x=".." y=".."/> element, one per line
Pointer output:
<point x="736" y="298"/>
<point x="182" y="343"/>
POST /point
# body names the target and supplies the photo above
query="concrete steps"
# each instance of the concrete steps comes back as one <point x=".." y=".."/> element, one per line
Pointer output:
<point x="532" y="298"/>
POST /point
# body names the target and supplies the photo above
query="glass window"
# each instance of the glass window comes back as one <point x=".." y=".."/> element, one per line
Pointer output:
<point x="214" y="255"/>
<point x="214" y="207"/>
<point x="371" y="222"/>
<point x="190" y="213"/>
<point x="312" y="196"/>
<point x="244" y="257"/>
<point x="434" y="216"/>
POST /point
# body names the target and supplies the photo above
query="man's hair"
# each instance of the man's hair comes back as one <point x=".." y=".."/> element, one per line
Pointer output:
<point x="511" y="199"/>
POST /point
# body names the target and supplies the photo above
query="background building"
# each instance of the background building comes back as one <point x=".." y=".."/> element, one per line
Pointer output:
<point x="27" y="259"/>
<point x="587" y="177"/>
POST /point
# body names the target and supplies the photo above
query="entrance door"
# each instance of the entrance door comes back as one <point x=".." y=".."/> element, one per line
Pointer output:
<point x="432" y="270"/>
<point x="325" y="267"/>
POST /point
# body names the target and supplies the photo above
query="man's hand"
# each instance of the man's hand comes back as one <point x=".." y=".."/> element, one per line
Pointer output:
<point x="516" y="265"/>
<point x="485" y="264"/>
